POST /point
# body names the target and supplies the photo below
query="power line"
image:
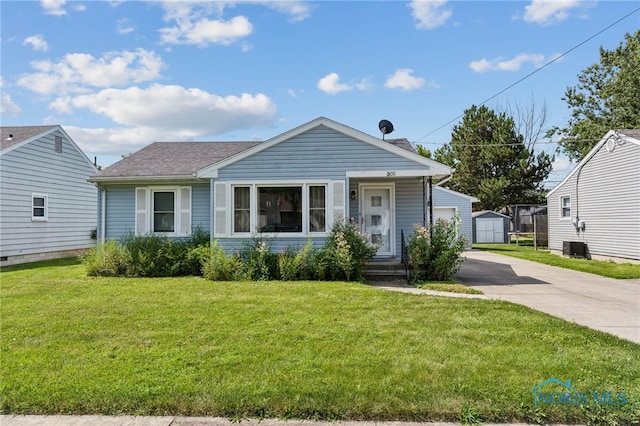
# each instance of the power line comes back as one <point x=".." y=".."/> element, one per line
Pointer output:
<point x="535" y="71"/>
<point x="489" y="144"/>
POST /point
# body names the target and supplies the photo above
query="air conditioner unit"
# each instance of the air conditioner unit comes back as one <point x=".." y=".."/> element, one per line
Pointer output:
<point x="574" y="249"/>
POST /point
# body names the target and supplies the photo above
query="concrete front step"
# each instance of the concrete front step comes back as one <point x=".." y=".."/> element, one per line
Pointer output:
<point x="384" y="271"/>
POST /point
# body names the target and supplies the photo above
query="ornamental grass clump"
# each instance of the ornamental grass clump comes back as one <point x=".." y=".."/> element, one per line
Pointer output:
<point x="436" y="256"/>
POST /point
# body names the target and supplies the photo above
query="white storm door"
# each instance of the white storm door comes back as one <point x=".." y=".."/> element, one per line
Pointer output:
<point x="376" y="217"/>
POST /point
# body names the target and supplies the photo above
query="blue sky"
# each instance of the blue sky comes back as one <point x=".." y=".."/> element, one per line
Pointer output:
<point x="119" y="75"/>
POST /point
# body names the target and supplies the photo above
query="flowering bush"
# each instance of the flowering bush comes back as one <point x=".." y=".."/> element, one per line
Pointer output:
<point x="345" y="253"/>
<point x="437" y="257"/>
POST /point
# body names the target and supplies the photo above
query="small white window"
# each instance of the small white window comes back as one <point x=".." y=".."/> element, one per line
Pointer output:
<point x="164" y="210"/>
<point x="565" y="207"/>
<point x="39" y="207"/>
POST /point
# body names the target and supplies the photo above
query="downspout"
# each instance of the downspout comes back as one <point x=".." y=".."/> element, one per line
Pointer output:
<point x="424" y="202"/>
<point x="103" y="215"/>
<point x="211" y="212"/>
<point x="431" y="207"/>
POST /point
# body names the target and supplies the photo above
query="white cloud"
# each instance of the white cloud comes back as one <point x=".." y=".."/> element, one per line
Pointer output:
<point x="37" y="42"/>
<point x="514" y="64"/>
<point x="79" y="7"/>
<point x="402" y="79"/>
<point x="205" y="31"/>
<point x="194" y="27"/>
<point x="297" y="10"/>
<point x="562" y="164"/>
<point x="430" y="14"/>
<point x="77" y="72"/>
<point x="123" y="26"/>
<point x="54" y="7"/>
<point x="546" y="12"/>
<point x="331" y="84"/>
<point x="163" y="113"/>
<point x="7" y="106"/>
<point x="173" y="107"/>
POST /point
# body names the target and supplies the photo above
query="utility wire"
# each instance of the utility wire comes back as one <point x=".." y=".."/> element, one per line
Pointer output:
<point x="535" y="71"/>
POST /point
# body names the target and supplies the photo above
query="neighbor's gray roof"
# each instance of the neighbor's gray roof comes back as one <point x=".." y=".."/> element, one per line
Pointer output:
<point x="10" y="136"/>
<point x="634" y="133"/>
<point x="169" y="159"/>
<point x="402" y="143"/>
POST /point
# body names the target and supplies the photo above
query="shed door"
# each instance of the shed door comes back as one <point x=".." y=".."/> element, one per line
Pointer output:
<point x="489" y="230"/>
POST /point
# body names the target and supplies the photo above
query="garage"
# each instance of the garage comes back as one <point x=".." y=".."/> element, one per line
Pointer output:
<point x="490" y="227"/>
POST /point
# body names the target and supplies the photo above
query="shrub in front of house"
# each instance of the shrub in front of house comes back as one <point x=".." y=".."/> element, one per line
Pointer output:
<point x="149" y="256"/>
<point x="437" y="257"/>
<point x="110" y="259"/>
<point x="218" y="266"/>
<point x="345" y="253"/>
<point x="258" y="262"/>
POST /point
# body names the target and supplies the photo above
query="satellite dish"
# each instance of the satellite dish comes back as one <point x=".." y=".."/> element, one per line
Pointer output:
<point x="385" y="127"/>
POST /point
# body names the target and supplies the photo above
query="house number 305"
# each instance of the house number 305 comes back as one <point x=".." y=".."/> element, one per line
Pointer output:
<point x="391" y="174"/>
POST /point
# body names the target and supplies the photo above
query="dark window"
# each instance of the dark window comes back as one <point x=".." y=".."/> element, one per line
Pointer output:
<point x="280" y="209"/>
<point x="164" y="211"/>
<point x="242" y="209"/>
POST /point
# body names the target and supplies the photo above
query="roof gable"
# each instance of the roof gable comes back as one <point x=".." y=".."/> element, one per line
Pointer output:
<point x="396" y="146"/>
<point x="611" y="138"/>
<point x="16" y="136"/>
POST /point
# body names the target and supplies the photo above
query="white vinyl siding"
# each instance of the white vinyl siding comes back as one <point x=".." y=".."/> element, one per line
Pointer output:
<point x="34" y="168"/>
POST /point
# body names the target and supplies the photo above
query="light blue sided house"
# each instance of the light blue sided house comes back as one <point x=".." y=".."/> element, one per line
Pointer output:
<point x="290" y="188"/>
<point x="47" y="207"/>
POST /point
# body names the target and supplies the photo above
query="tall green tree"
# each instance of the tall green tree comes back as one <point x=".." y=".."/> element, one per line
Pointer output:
<point x="492" y="161"/>
<point x="606" y="97"/>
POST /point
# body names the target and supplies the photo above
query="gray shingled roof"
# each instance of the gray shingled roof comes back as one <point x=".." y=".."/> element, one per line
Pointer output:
<point x="634" y="133"/>
<point x="402" y="143"/>
<point x="172" y="159"/>
<point x="10" y="136"/>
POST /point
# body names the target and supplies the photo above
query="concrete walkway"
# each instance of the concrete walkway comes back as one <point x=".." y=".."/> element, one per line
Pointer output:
<point x="6" y="420"/>
<point x="604" y="304"/>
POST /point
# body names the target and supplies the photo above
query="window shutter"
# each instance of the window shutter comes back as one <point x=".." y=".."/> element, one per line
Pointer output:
<point x="142" y="211"/>
<point x="338" y="203"/>
<point x="185" y="210"/>
<point x="220" y="209"/>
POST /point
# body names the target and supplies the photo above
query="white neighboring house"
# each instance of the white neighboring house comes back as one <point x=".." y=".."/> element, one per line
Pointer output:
<point x="47" y="208"/>
<point x="596" y="208"/>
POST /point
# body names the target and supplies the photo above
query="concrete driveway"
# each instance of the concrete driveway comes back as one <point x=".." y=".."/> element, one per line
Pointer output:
<point x="604" y="304"/>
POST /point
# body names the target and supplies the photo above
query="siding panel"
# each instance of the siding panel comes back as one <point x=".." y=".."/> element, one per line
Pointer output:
<point x="72" y="201"/>
<point x="607" y="200"/>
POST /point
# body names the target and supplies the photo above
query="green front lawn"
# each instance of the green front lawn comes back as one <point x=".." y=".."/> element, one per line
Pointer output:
<point x="73" y="344"/>
<point x="598" y="267"/>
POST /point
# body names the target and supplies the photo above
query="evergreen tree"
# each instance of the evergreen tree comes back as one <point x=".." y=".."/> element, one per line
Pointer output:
<point x="492" y="162"/>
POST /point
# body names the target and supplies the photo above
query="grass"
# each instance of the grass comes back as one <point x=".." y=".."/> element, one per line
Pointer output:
<point x="73" y="344"/>
<point x="449" y="288"/>
<point x="598" y="267"/>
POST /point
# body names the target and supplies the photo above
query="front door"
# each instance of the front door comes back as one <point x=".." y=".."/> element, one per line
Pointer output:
<point x="376" y="217"/>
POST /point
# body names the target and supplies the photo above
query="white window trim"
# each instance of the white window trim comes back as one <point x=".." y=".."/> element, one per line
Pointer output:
<point x="44" y="218"/>
<point x="254" y="185"/>
<point x="560" y="198"/>
<point x="178" y="209"/>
